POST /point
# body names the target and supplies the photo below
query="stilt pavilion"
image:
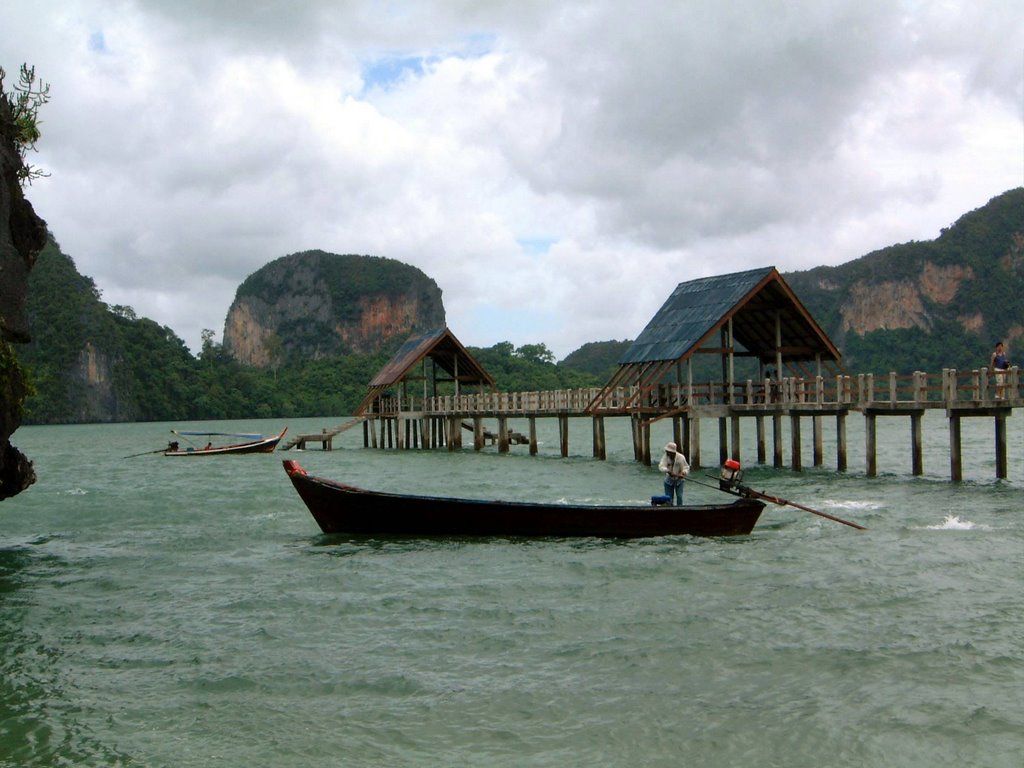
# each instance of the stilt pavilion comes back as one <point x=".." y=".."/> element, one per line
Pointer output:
<point x="425" y="361"/>
<point x="752" y="314"/>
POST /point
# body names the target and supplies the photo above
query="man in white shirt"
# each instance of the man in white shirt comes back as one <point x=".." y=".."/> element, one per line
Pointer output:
<point x="676" y="468"/>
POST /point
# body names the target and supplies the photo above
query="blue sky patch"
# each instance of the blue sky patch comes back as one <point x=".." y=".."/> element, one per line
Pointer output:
<point x="384" y="72"/>
<point x="535" y="246"/>
<point x="97" y="42"/>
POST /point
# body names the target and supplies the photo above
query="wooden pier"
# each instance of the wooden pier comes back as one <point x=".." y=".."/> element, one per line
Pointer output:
<point x="406" y="423"/>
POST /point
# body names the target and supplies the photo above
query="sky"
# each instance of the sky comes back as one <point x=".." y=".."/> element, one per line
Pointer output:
<point x="556" y="168"/>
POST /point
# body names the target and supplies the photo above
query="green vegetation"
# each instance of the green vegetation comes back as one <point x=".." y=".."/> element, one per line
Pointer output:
<point x="25" y="99"/>
<point x="92" y="361"/>
<point x="984" y="254"/>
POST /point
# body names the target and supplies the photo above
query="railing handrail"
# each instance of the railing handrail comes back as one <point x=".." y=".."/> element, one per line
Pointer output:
<point x="949" y="388"/>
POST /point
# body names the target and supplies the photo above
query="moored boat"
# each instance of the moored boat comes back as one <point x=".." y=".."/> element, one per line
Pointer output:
<point x="341" y="508"/>
<point x="251" y="444"/>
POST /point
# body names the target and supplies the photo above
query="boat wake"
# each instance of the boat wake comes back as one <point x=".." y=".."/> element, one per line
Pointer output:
<point x="845" y="504"/>
<point x="954" y="523"/>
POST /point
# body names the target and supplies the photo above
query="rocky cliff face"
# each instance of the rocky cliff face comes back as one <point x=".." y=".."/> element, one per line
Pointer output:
<point x="315" y="304"/>
<point x="891" y="305"/>
<point x="22" y="234"/>
<point x="934" y="304"/>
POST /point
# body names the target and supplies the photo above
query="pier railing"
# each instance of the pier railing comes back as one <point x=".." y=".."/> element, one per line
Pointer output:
<point x="948" y="389"/>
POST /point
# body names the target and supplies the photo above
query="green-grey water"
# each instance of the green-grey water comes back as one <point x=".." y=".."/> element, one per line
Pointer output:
<point x="187" y="612"/>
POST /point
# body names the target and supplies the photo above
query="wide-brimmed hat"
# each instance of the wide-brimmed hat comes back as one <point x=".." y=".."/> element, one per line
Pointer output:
<point x="671" y="448"/>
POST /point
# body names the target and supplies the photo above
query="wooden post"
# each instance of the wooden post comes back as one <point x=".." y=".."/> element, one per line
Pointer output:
<point x="645" y="442"/>
<point x="563" y="433"/>
<point x="723" y="440"/>
<point x="761" y="452"/>
<point x="819" y="451"/>
<point x="736" y="437"/>
<point x="634" y="430"/>
<point x="777" y="440"/>
<point x="841" y="441"/>
<point x="478" y="433"/>
<point x="694" y="439"/>
<point x="916" y="442"/>
<point x="870" y="435"/>
<point x="600" y="449"/>
<point x="1001" y="445"/>
<point x="956" y="467"/>
<point x="503" y="434"/>
<point x="794" y="423"/>
<point x="533" y="435"/>
<point x="366" y="434"/>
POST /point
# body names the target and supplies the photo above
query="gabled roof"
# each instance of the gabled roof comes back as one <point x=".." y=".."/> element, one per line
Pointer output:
<point x="698" y="309"/>
<point x="766" y="317"/>
<point x="447" y="354"/>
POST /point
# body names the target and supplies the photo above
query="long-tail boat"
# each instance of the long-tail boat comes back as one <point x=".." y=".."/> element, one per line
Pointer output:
<point x="341" y="508"/>
<point x="251" y="444"/>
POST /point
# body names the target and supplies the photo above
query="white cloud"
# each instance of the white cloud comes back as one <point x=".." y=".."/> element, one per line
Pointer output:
<point x="556" y="168"/>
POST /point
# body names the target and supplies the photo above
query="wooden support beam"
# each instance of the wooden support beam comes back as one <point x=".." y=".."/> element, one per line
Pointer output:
<point x="870" y="438"/>
<point x="956" y="467"/>
<point x="777" y="440"/>
<point x="645" y="442"/>
<point x="503" y="441"/>
<point x="600" y="449"/>
<point x="917" y="443"/>
<point x="794" y="423"/>
<point x="1000" y="419"/>
<point x="841" y="441"/>
<point x="693" y="433"/>
<point x="819" y="451"/>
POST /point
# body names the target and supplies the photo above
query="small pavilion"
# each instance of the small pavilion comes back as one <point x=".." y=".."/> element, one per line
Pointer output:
<point x="425" y="361"/>
<point x="752" y="314"/>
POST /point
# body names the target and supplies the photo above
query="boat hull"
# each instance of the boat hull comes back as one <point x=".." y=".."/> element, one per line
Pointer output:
<point x="341" y="508"/>
<point x="266" y="445"/>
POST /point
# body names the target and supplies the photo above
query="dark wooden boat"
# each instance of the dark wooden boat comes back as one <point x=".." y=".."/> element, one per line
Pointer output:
<point x="340" y="508"/>
<point x="257" y="444"/>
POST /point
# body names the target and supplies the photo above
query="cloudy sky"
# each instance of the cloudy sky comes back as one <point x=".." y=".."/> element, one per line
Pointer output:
<point x="556" y="167"/>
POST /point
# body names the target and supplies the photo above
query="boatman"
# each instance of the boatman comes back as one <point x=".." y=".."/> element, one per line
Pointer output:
<point x="676" y="468"/>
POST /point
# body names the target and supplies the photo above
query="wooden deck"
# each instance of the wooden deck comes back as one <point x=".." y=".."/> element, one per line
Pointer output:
<point x="435" y="422"/>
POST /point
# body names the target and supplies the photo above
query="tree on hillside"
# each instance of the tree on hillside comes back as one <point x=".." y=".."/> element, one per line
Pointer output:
<point x="25" y="100"/>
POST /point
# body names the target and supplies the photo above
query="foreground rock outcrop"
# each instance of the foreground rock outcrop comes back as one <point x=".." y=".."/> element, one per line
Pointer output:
<point x="22" y="235"/>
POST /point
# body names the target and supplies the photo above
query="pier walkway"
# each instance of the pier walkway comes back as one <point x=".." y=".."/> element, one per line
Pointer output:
<point x="436" y="422"/>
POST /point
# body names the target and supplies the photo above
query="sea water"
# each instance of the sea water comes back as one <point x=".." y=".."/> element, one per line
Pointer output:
<point x="187" y="612"/>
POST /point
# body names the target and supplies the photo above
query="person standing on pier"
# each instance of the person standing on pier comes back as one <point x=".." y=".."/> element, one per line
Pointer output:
<point x="1000" y="363"/>
<point x="676" y="468"/>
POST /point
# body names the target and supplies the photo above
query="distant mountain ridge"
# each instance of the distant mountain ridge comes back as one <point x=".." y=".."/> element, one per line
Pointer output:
<point x="326" y="323"/>
<point x="924" y="306"/>
<point x="928" y="305"/>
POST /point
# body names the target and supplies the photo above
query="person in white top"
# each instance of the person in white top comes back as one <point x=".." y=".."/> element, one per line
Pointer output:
<point x="676" y="468"/>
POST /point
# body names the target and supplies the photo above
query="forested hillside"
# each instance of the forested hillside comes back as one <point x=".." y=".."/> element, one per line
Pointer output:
<point x="928" y="305"/>
<point x="92" y="362"/>
<point x="916" y="306"/>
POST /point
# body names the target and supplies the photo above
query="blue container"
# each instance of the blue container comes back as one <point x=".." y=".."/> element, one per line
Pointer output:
<point x="660" y="501"/>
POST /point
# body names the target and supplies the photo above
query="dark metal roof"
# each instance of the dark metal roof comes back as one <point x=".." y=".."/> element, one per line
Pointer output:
<point x="752" y="300"/>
